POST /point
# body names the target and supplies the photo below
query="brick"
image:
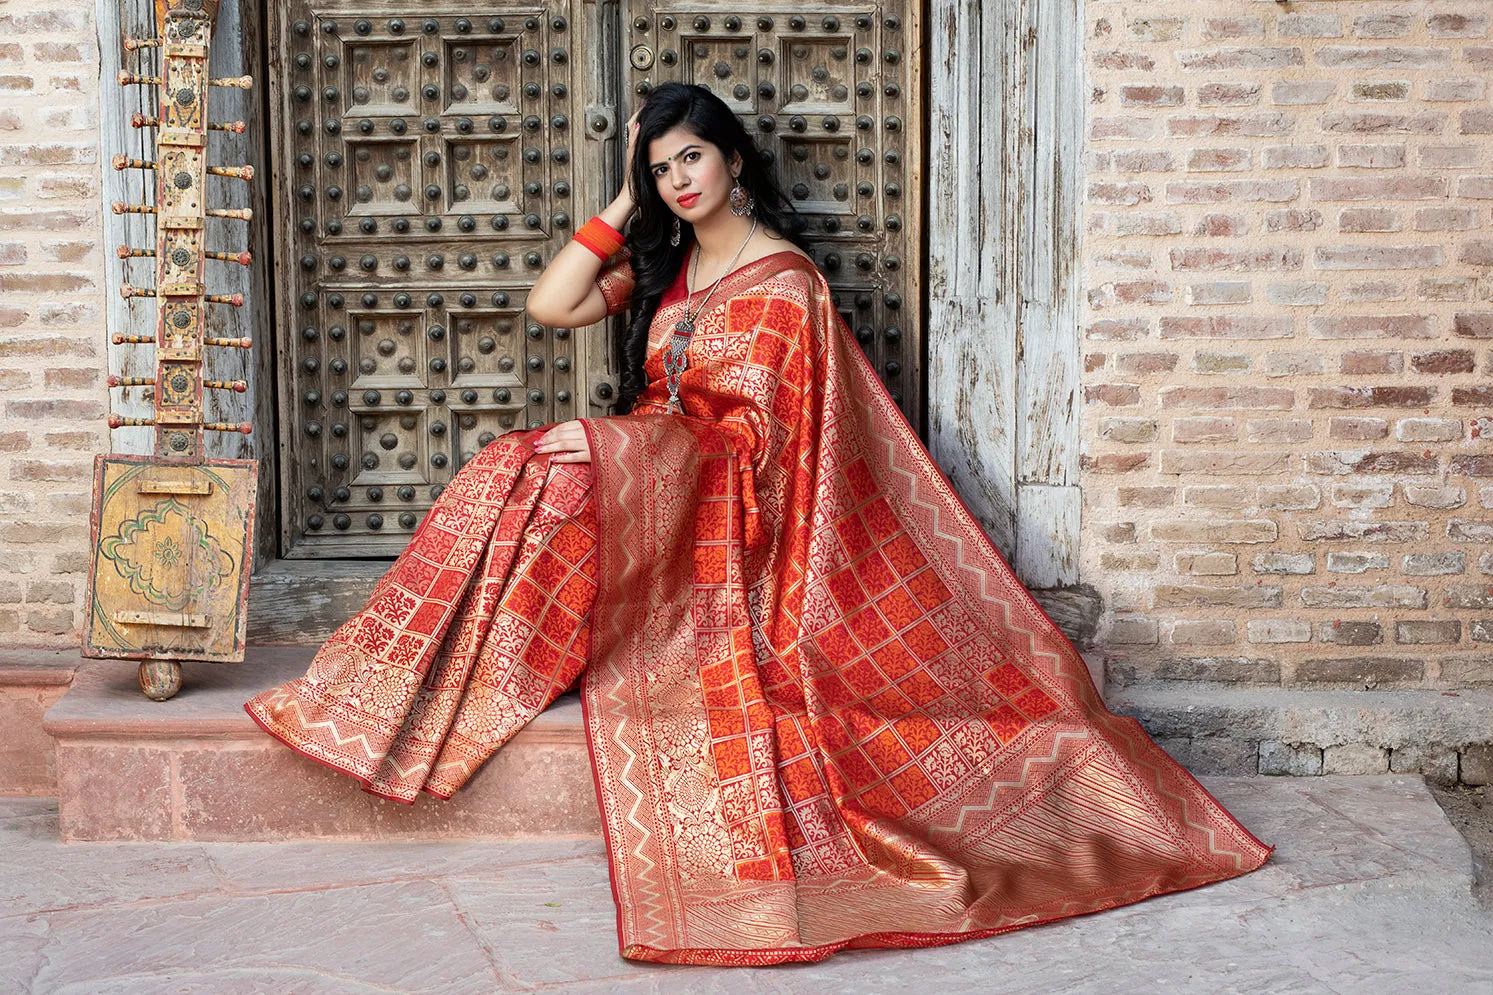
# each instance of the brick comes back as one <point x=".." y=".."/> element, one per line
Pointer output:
<point x="1133" y="632"/>
<point x="1123" y="61"/>
<point x="1143" y="161"/>
<point x="1220" y="292"/>
<point x="1295" y="157"/>
<point x="1203" y="632"/>
<point x="1355" y="562"/>
<point x="1219" y="160"/>
<point x="1445" y="218"/>
<point x="1450" y="157"/>
<point x="1215" y="496"/>
<point x="1428" y="632"/>
<point x="1363" y="531"/>
<point x="1236" y="531"/>
<point x="1226" y="326"/>
<point x="1479" y="395"/>
<point x="1278" y="630"/>
<point x="1452" y="25"/>
<point x="1369" y="397"/>
<point x="1206" y="564"/>
<point x="1221" y="362"/>
<point x="1146" y="362"/>
<point x="1293" y="564"/>
<point x="1470" y="531"/>
<point x="1220" y="191"/>
<point x="1366" y="363"/>
<point x="1224" y="463"/>
<point x="1155" y="28"/>
<point x="1118" y="532"/>
<point x="1381" y="25"/>
<point x="1228" y="94"/>
<point x="1309" y="26"/>
<point x="1134" y="562"/>
<point x="1350" y="257"/>
<point x="1481" y="630"/>
<point x="1379" y="90"/>
<point x="1243" y="57"/>
<point x="1473" y="325"/>
<point x="1121" y="128"/>
<point x="1372" y="291"/>
<point x="1358" y="428"/>
<point x="1485" y="563"/>
<point x="1293" y="220"/>
<point x="1478" y="252"/>
<point x="1430" y="496"/>
<point x="1348" y="633"/>
<point x="1355" y="758"/>
<point x="1117" y="329"/>
<point x="1114" y="395"/>
<point x="1378" y="596"/>
<point x="1382" y="57"/>
<point x="1298" y="93"/>
<point x="1114" y="462"/>
<point x="1278" y="430"/>
<point x="1267" y="124"/>
<point x="1243" y="398"/>
<point x="1151" y="96"/>
<point x="1379" y="123"/>
<point x="1449" y="288"/>
<point x="49" y="470"/>
<point x="1219" y="28"/>
<point x="1455" y="90"/>
<point x="1185" y="430"/>
<point x="1145" y="497"/>
<point x="1475" y="187"/>
<point x="1148" y="224"/>
<point x="1360" y="495"/>
<point x="1472" y="465"/>
<point x="1365" y="671"/>
<point x="1119" y="193"/>
<point x="1197" y="595"/>
<point x="1442" y="361"/>
<point x="1370" y="462"/>
<point x="1478" y="122"/>
<point x="1289" y="497"/>
<point x="1290" y="759"/>
<point x="1369" y="219"/>
<point x="1477" y="765"/>
<point x="1297" y="294"/>
<point x="1127" y="429"/>
<point x="1465" y="671"/>
<point x="1437" y="763"/>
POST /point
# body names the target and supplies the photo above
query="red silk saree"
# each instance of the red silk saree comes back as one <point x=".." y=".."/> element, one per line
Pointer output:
<point x="822" y="711"/>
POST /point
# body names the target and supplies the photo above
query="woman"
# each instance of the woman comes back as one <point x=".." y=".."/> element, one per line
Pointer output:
<point x="822" y="711"/>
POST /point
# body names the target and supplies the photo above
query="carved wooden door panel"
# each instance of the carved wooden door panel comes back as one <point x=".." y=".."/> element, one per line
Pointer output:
<point x="430" y="162"/>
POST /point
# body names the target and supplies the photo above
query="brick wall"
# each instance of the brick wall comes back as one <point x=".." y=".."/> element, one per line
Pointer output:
<point x="1288" y="340"/>
<point x="52" y="345"/>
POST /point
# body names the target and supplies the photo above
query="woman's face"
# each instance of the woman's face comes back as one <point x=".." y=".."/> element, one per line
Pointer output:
<point x="690" y="173"/>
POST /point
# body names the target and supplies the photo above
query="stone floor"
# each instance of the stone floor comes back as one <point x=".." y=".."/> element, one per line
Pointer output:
<point x="1369" y="891"/>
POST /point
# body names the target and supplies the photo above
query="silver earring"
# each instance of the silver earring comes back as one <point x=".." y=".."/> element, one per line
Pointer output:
<point x="674" y="238"/>
<point x="742" y="200"/>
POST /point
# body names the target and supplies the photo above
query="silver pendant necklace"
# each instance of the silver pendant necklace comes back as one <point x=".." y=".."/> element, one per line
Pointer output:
<point x="674" y="361"/>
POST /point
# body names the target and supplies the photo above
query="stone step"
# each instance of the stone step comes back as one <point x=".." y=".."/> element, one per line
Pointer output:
<point x="1228" y="729"/>
<point x="31" y="681"/>
<point x="196" y="767"/>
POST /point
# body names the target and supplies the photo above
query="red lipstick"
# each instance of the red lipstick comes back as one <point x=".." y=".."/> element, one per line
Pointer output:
<point x="688" y="200"/>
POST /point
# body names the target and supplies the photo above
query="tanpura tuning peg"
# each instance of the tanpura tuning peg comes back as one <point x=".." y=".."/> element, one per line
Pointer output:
<point x="237" y="213"/>
<point x="237" y="300"/>
<point x="237" y="172"/>
<point x="127" y="291"/>
<point x="117" y="381"/>
<point x="126" y="78"/>
<point x="241" y="82"/>
<point x="228" y="426"/>
<point x="135" y="44"/>
<point x="237" y="127"/>
<point x="238" y="386"/>
<point x="119" y="338"/>
<point x="120" y="207"/>
<point x="242" y="258"/>
<point x="125" y="252"/>
<point x="123" y="162"/>
<point x="242" y="343"/>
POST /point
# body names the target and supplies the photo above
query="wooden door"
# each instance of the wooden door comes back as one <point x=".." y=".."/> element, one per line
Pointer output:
<point x="430" y="162"/>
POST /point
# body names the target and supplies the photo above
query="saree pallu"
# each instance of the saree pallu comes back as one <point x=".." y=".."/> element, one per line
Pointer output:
<point x="822" y="711"/>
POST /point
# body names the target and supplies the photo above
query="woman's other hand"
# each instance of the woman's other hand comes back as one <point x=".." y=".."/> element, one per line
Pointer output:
<point x="567" y="441"/>
<point x="630" y="130"/>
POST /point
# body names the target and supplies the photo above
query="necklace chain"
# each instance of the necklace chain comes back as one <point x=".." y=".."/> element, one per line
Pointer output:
<point x="674" y="361"/>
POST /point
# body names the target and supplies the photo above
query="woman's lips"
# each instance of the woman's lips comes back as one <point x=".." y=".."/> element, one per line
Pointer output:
<point x="688" y="200"/>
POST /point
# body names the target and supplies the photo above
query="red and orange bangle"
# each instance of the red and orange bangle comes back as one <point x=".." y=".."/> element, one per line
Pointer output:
<point x="600" y="237"/>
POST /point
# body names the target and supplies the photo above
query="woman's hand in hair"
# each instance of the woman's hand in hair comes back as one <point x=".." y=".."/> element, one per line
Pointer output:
<point x="630" y="130"/>
<point x="567" y="441"/>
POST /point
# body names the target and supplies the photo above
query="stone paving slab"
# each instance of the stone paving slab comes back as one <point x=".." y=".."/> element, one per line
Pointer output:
<point x="1369" y="890"/>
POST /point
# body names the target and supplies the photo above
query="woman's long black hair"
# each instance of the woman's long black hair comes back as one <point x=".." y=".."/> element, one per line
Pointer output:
<point x="655" y="262"/>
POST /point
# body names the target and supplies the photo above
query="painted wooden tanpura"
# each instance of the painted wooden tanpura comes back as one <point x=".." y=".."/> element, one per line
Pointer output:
<point x="171" y="530"/>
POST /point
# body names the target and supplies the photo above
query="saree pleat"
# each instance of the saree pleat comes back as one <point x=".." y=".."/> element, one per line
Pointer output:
<point x="822" y="711"/>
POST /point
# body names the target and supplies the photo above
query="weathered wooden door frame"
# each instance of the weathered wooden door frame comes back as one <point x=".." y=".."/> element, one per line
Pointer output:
<point x="1003" y="341"/>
